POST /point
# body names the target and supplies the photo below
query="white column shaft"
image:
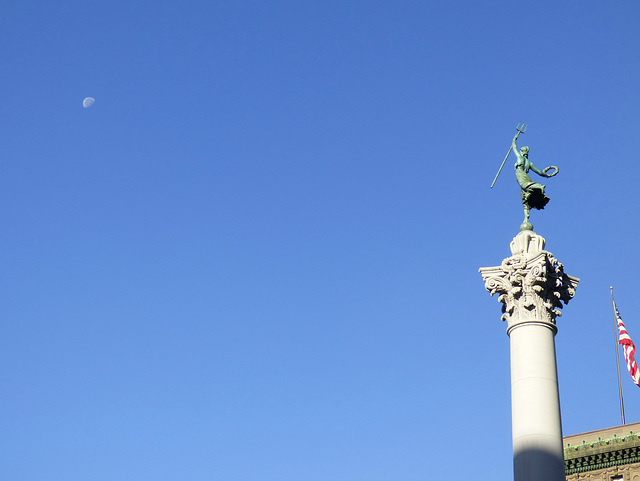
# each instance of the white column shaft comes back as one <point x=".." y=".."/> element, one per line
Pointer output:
<point x="536" y="424"/>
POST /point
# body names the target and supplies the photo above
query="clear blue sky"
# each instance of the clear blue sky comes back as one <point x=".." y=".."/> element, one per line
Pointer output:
<point x="256" y="256"/>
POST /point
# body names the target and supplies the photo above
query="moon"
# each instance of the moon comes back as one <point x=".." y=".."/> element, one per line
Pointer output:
<point x="88" y="102"/>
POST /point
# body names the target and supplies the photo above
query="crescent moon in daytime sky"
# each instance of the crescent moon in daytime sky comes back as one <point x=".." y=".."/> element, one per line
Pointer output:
<point x="88" y="102"/>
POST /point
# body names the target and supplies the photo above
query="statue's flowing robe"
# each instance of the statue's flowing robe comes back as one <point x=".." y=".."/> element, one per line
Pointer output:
<point x="533" y="195"/>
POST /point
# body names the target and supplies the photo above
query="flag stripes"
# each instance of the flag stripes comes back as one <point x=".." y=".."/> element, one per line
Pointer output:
<point x="628" y="348"/>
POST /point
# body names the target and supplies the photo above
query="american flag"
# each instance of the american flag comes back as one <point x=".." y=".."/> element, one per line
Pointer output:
<point x="629" y="349"/>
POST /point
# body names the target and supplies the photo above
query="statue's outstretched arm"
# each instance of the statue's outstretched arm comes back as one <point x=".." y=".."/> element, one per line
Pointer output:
<point x="536" y="170"/>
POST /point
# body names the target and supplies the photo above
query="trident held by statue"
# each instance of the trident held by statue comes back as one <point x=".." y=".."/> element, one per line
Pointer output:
<point x="521" y="128"/>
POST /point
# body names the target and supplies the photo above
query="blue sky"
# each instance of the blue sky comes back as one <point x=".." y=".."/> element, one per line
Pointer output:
<point x="256" y="256"/>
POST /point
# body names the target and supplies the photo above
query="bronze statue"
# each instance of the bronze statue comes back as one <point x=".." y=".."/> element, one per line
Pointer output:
<point x="532" y="193"/>
<point x="533" y="196"/>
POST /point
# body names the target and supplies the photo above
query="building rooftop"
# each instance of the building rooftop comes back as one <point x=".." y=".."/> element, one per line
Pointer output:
<point x="604" y="448"/>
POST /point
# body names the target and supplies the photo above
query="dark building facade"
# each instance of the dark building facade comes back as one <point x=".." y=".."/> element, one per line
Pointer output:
<point x="611" y="454"/>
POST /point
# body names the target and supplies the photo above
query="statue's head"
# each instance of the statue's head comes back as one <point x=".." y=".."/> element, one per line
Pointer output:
<point x="524" y="151"/>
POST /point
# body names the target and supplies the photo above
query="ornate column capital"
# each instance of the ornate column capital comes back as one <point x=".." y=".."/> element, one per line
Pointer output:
<point x="531" y="283"/>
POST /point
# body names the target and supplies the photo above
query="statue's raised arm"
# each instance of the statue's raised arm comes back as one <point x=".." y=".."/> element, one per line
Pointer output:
<point x="514" y="147"/>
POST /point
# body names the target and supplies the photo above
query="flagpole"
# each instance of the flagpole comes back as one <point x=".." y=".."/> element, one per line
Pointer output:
<point x="615" y="337"/>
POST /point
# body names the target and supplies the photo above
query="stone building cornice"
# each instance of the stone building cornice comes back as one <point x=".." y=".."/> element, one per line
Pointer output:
<point x="603" y="453"/>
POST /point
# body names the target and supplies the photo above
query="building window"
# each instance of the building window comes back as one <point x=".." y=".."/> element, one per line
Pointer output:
<point x="617" y="477"/>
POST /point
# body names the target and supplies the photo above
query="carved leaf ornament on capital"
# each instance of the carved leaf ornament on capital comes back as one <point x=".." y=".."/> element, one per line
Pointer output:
<point x="530" y="287"/>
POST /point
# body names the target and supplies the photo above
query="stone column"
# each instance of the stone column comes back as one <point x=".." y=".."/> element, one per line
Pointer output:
<point x="532" y="286"/>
